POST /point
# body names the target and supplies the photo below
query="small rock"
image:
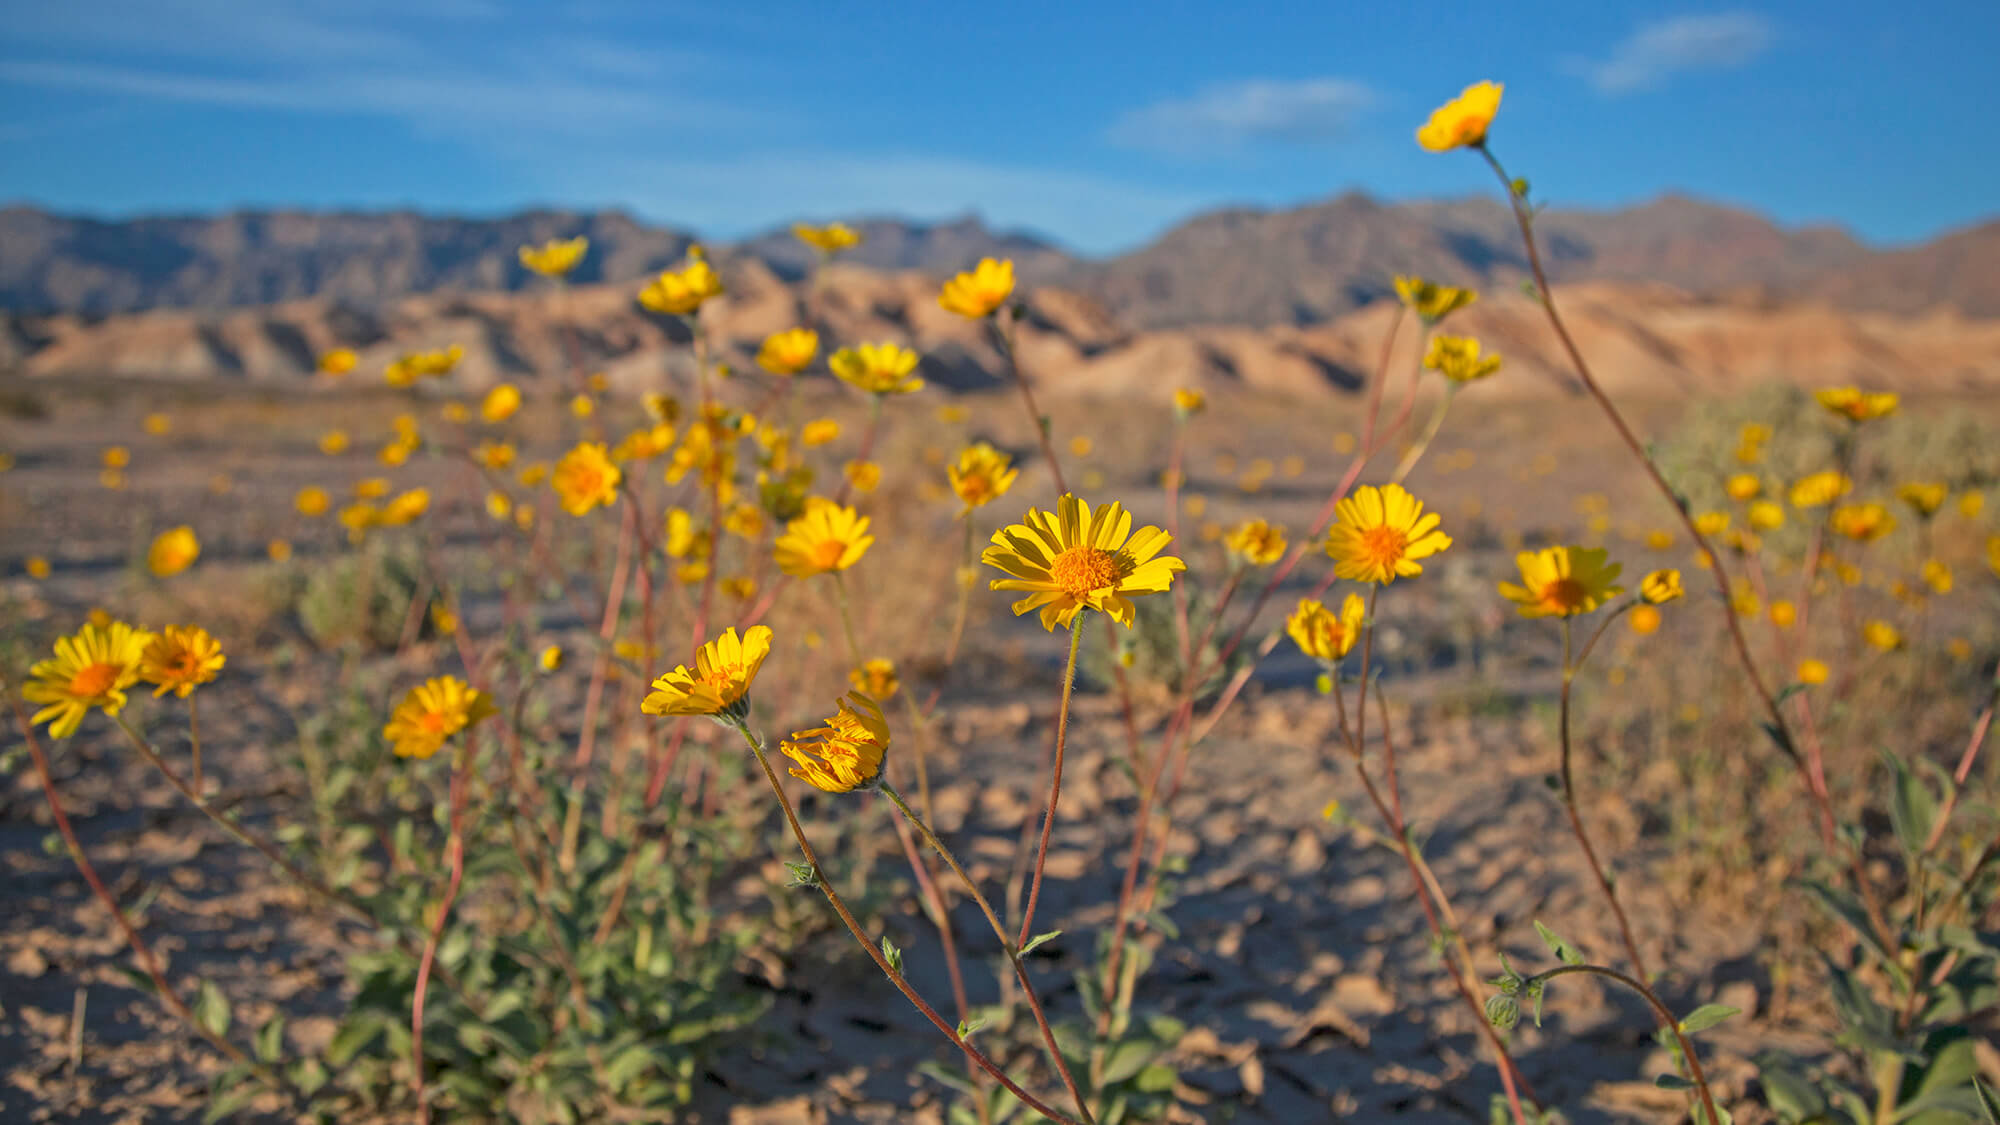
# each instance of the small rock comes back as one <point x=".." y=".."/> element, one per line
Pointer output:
<point x="27" y="962"/>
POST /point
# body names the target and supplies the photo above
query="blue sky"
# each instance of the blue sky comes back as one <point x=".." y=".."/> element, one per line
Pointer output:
<point x="1097" y="124"/>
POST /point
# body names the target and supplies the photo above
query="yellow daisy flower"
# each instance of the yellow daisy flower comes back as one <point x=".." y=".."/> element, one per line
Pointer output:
<point x="1431" y="301"/>
<point x="981" y="475"/>
<point x="333" y="442"/>
<point x="173" y="551"/>
<point x="1765" y="515"/>
<point x="1813" y="671"/>
<point x="1188" y="402"/>
<point x="1562" y="581"/>
<point x="1323" y="636"/>
<point x="845" y="754"/>
<point x="555" y="257"/>
<point x="338" y="362"/>
<point x="551" y="658"/>
<point x="1073" y="559"/>
<point x="820" y="431"/>
<point x="1381" y="534"/>
<point x="1923" y="497"/>
<point x="720" y="680"/>
<point x="1863" y="523"/>
<point x="405" y="508"/>
<point x="865" y="476"/>
<point x="1463" y="120"/>
<point x="1881" y="635"/>
<point x="788" y="352"/>
<point x="1857" y="405"/>
<point x="585" y="479"/>
<point x="829" y="239"/>
<point x="681" y="292"/>
<point x="431" y="713"/>
<point x="500" y="404"/>
<point x="179" y="659"/>
<point x="1256" y="542"/>
<point x="882" y="369"/>
<point x="876" y="679"/>
<point x="1661" y="586"/>
<point x="1645" y="620"/>
<point x="1457" y="358"/>
<point x="90" y="669"/>
<point x="1936" y="575"/>
<point x="312" y="501"/>
<point x="976" y="293"/>
<point x="1820" y="489"/>
<point x="828" y="537"/>
<point x="1743" y="486"/>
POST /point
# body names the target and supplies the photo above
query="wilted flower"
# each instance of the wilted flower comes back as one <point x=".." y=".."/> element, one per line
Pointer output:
<point x="1661" y="586"/>
<point x="845" y="754"/>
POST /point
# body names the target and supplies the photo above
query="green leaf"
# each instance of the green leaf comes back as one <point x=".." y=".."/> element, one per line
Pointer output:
<point x="967" y="1026"/>
<point x="1565" y="952"/>
<point x="1157" y="1078"/>
<point x="891" y="954"/>
<point x="1988" y="1101"/>
<point x="1672" y="1082"/>
<point x="1127" y="1059"/>
<point x="1707" y="1016"/>
<point x="936" y="1071"/>
<point x="211" y="1010"/>
<point x="360" y="1030"/>
<point x="270" y="1043"/>
<point x="1790" y="1095"/>
<point x="1038" y="939"/>
<point x="1912" y="806"/>
<point x="1845" y="907"/>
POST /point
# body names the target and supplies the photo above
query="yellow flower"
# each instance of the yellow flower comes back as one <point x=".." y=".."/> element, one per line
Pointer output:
<point x="585" y="478"/>
<point x="1813" y="671"/>
<point x="37" y="567"/>
<point x="1863" y="523"/>
<point x="1659" y="540"/>
<point x="1073" y="559"/>
<point x="1321" y="635"/>
<point x="1256" y="542"/>
<point x="981" y="475"/>
<point x="1765" y="515"/>
<point x="172" y="552"/>
<point x="1463" y="120"/>
<point x="1923" y="497"/>
<point x="976" y="293"/>
<point x="876" y="679"/>
<point x="405" y="508"/>
<point x="278" y="550"/>
<point x="1820" y="489"/>
<point x="434" y="364"/>
<point x="865" y="476"/>
<point x="499" y="505"/>
<point x="1747" y="454"/>
<point x="394" y="454"/>
<point x="1562" y="581"/>
<point x="846" y="753"/>
<point x="582" y="406"/>
<point x="357" y="518"/>
<point x="1712" y="523"/>
<point x="1937" y="576"/>
<point x="1661" y="586"/>
<point x="371" y="488"/>
<point x="1857" y="405"/>
<point x="721" y="677"/>
<point x="338" y="362"/>
<point x="90" y="669"/>
<point x="333" y="442"/>
<point x="157" y="424"/>
<point x="745" y="521"/>
<point x="1431" y="301"/>
<point x="1754" y="433"/>
<point x="431" y="713"/>
<point x="681" y="535"/>
<point x="644" y="444"/>
<point x="828" y="537"/>
<point x="116" y="457"/>
<point x="551" y="659"/>
<point x="500" y="403"/>
<point x="533" y="475"/>
<point x="1645" y="620"/>
<point x="312" y="501"/>
<point x="1457" y="358"/>
<point x="1743" y="486"/>
<point x="1081" y="445"/>
<point x="1881" y="635"/>
<point x="881" y="369"/>
<point x="681" y="292"/>
<point x="829" y="239"/>
<point x="742" y="587"/>
<point x="1381" y="534"/>
<point x="443" y="619"/>
<point x="1188" y="402"/>
<point x="494" y="455"/>
<point x="1784" y="614"/>
<point x="179" y="659"/>
<point x="1970" y="504"/>
<point x="788" y="352"/>
<point x="555" y="257"/>
<point x="819" y="432"/>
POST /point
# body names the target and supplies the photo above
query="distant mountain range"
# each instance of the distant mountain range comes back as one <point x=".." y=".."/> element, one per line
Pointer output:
<point x="1256" y="268"/>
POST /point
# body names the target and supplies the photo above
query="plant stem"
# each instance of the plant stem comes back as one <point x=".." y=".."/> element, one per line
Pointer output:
<point x="1012" y="949"/>
<point x="455" y="857"/>
<point x="875" y="954"/>
<point x="1660" y="1009"/>
<point x="194" y="739"/>
<point x="1003" y="330"/>
<point x="1055" y="780"/>
<point x="1569" y="671"/>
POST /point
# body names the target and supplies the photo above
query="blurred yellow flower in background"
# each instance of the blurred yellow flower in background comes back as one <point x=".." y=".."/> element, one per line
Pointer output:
<point x="1645" y="620"/>
<point x="90" y="669"/>
<point x="312" y="501"/>
<point x="788" y="352"/>
<point x="180" y="658"/>
<point x="1074" y="559"/>
<point x="1923" y="497"/>
<point x="338" y="362"/>
<point x="431" y="713"/>
<point x="1431" y="301"/>
<point x="828" y="537"/>
<point x="724" y="669"/>
<point x="1562" y="581"/>
<point x="500" y="403"/>
<point x="865" y="476"/>
<point x="977" y="292"/>
<point x="1743" y="486"/>
<point x="278" y="550"/>
<point x="1323" y="636"/>
<point x="1457" y="358"/>
<point x="1937" y="576"/>
<point x="556" y="257"/>
<point x="585" y="479"/>
<point x="981" y="475"/>
<point x="1820" y="489"/>
<point x="845" y="754"/>
<point x="829" y="239"/>
<point x="880" y="369"/>
<point x="157" y="424"/>
<point x="405" y="508"/>
<point x="173" y="551"/>
<point x="1463" y="120"/>
<point x="681" y="292"/>
<point x="1256" y="542"/>
<point x="1661" y="586"/>
<point x="1881" y="635"/>
<point x="1381" y="534"/>
<point x="1765" y="515"/>
<point x="333" y="442"/>
<point x="1863" y="523"/>
<point x="1813" y="671"/>
<point x="1857" y="405"/>
<point x="876" y="679"/>
<point x="1188" y="402"/>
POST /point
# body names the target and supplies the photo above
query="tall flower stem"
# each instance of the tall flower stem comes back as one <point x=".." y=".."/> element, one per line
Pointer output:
<point x="1569" y="670"/>
<point x="875" y="953"/>
<point x="1013" y="949"/>
<point x="1055" y="781"/>
<point x="1004" y="326"/>
<point x="593" y="698"/>
<point x="455" y="857"/>
<point x="1416" y="452"/>
<point x="147" y="960"/>
<point x="194" y="740"/>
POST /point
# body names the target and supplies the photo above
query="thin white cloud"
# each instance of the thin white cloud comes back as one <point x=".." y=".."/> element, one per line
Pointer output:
<point x="1231" y="114"/>
<point x="1657" y="51"/>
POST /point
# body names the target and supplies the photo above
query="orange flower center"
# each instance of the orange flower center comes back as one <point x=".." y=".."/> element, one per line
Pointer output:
<point x="184" y="665"/>
<point x="1080" y="571"/>
<point x="93" y="680"/>
<point x="432" y="722"/>
<point x="1384" y="546"/>
<point x="585" y="480"/>
<point x="1566" y="595"/>
<point x="826" y="554"/>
